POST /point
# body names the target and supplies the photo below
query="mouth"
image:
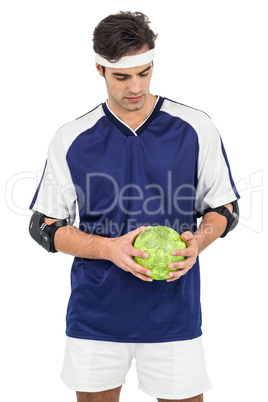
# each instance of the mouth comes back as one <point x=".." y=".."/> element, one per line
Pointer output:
<point x="134" y="99"/>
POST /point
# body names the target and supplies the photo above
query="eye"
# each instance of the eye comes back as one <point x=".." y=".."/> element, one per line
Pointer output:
<point x="121" y="79"/>
<point x="144" y="75"/>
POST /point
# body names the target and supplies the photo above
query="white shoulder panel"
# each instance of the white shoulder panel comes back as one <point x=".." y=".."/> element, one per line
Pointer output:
<point x="57" y="194"/>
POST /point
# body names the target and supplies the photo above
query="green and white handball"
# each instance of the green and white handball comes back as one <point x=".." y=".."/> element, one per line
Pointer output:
<point x="158" y="242"/>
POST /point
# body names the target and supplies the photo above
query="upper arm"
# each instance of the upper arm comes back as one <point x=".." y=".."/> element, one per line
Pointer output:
<point x="49" y="221"/>
<point x="230" y="207"/>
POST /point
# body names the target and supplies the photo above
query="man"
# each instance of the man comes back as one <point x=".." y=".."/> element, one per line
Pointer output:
<point x="133" y="161"/>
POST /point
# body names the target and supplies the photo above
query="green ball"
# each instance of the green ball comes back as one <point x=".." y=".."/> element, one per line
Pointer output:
<point x="158" y="242"/>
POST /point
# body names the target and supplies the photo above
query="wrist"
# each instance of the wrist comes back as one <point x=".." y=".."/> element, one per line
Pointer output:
<point x="198" y="242"/>
<point x="105" y="247"/>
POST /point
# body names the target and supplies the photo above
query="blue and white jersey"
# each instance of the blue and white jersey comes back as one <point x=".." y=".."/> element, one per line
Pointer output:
<point x="166" y="172"/>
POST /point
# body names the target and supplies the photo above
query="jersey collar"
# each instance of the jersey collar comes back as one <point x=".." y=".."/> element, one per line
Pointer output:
<point x="124" y="128"/>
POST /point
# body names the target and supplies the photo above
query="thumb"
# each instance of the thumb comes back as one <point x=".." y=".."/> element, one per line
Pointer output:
<point x="135" y="233"/>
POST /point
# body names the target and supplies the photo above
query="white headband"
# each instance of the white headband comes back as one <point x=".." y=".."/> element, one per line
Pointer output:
<point x="127" y="61"/>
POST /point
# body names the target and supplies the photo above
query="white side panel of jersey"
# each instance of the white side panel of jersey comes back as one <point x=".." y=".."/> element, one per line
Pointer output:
<point x="214" y="187"/>
<point x="57" y="194"/>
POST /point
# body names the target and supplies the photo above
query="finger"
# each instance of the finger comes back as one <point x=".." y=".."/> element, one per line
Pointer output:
<point x="142" y="277"/>
<point x="139" y="269"/>
<point x="135" y="233"/>
<point x="141" y="272"/>
<point x="135" y="252"/>
<point x="173" y="279"/>
<point x="173" y="276"/>
<point x="188" y="262"/>
<point x="184" y="252"/>
<point x="136" y="268"/>
<point x="186" y="236"/>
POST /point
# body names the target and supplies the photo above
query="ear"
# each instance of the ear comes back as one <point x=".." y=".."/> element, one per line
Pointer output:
<point x="99" y="69"/>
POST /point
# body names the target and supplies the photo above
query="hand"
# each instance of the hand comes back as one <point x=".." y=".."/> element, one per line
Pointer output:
<point x="190" y="253"/>
<point x="122" y="253"/>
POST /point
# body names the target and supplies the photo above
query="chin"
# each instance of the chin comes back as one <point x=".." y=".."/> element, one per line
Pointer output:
<point x="134" y="107"/>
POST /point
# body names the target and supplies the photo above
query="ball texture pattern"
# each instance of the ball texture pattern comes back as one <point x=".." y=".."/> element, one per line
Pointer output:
<point x="159" y="242"/>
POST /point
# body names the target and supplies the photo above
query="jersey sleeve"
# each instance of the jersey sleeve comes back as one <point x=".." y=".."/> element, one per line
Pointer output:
<point x="215" y="185"/>
<point x="56" y="195"/>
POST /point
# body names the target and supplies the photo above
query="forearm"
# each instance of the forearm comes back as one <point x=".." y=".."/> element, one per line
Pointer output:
<point x="71" y="240"/>
<point x="211" y="227"/>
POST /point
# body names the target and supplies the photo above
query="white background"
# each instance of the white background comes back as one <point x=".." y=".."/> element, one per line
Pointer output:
<point x="211" y="55"/>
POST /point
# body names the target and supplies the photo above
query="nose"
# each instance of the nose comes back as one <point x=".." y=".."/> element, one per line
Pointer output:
<point x="134" y="85"/>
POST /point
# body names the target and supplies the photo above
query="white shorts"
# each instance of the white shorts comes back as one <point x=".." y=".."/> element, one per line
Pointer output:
<point x="168" y="370"/>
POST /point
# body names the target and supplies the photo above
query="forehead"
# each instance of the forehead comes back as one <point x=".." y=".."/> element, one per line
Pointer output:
<point x="129" y="71"/>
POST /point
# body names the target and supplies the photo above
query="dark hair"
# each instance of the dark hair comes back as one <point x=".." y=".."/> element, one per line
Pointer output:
<point x="122" y="33"/>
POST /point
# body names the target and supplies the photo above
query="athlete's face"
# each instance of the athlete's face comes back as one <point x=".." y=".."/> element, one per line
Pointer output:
<point x="127" y="88"/>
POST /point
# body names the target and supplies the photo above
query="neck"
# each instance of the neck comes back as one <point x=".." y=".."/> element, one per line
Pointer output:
<point x="133" y="118"/>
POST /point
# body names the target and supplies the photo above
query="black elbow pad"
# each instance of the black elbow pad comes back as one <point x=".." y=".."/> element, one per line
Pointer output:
<point x="232" y="217"/>
<point x="42" y="233"/>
